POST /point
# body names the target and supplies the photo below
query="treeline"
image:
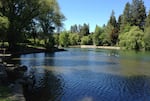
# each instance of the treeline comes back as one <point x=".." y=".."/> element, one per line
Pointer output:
<point x="36" y="22"/>
<point x="131" y="30"/>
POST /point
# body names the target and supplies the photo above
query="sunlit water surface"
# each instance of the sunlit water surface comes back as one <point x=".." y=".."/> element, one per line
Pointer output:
<point x="88" y="75"/>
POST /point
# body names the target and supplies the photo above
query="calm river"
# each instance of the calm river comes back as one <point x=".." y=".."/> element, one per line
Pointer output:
<point x="88" y="75"/>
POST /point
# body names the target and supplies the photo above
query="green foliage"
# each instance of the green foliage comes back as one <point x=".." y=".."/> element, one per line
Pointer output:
<point x="74" y="29"/>
<point x="64" y="39"/>
<point x="119" y="22"/>
<point x="147" y="32"/>
<point x="112" y="34"/>
<point x="112" y="19"/>
<point x="56" y="39"/>
<point x="133" y="39"/>
<point x="126" y="17"/>
<point x="147" y="21"/>
<point x="97" y="33"/>
<point x="138" y="13"/>
<point x="112" y="30"/>
<point x="104" y="41"/>
<point x="147" y="38"/>
<point x="74" y="38"/>
<point x="49" y="42"/>
<point x="127" y="14"/>
<point x="134" y="14"/>
<point x="39" y="19"/>
<point x="84" y="30"/>
<point x="86" y="40"/>
<point x="126" y="28"/>
<point x="52" y="18"/>
<point x="44" y="14"/>
<point x="4" y="24"/>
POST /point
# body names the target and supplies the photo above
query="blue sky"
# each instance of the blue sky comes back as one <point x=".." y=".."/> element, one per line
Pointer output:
<point x="92" y="12"/>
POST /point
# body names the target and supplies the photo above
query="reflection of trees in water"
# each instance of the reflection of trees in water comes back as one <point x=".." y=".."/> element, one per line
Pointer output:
<point x="47" y="87"/>
<point x="41" y="85"/>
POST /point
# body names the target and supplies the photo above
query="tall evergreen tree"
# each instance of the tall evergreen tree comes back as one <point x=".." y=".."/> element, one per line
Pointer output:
<point x="74" y="29"/>
<point x="147" y="21"/>
<point x="127" y="14"/>
<point x="112" y="29"/>
<point x="84" y="31"/>
<point x="119" y="22"/>
<point x="112" y="19"/>
<point x="138" y="13"/>
<point x="147" y="32"/>
<point x="126" y="17"/>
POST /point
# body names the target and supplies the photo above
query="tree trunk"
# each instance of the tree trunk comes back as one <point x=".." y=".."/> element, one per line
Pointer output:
<point x="12" y="39"/>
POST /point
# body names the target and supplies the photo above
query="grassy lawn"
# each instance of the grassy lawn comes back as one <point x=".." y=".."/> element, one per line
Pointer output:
<point x="5" y="93"/>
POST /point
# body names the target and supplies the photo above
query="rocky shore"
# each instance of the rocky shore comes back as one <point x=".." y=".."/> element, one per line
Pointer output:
<point x="12" y="78"/>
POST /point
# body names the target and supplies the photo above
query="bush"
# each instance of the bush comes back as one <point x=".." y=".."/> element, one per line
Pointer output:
<point x="64" y="39"/>
<point x="74" y="38"/>
<point x="86" y="40"/>
<point x="147" y="38"/>
<point x="133" y="39"/>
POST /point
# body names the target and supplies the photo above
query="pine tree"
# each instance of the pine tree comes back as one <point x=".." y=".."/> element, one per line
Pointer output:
<point x="127" y="14"/>
<point x="147" y="21"/>
<point x="112" y="20"/>
<point x="112" y="29"/>
<point x="138" y="13"/>
<point x="147" y="32"/>
<point x="126" y="17"/>
<point x="74" y="29"/>
<point x="119" y="22"/>
<point x="84" y="31"/>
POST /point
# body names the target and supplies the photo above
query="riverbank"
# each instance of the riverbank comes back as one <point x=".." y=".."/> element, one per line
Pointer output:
<point x="101" y="47"/>
<point x="10" y="80"/>
<point x="32" y="49"/>
<point x="5" y="54"/>
<point x="11" y="90"/>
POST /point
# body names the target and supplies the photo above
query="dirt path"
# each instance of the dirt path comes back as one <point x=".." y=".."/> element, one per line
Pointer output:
<point x="102" y="47"/>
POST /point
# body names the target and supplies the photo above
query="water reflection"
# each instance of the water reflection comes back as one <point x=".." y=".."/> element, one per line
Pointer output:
<point x="47" y="86"/>
<point x="88" y="75"/>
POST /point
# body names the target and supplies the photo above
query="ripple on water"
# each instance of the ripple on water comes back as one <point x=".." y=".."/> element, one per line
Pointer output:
<point x="81" y="75"/>
<point x="107" y="87"/>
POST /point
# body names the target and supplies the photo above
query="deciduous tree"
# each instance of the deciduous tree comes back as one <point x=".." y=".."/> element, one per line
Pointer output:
<point x="21" y="13"/>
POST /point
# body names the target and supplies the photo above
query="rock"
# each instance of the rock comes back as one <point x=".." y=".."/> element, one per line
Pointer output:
<point x="15" y="73"/>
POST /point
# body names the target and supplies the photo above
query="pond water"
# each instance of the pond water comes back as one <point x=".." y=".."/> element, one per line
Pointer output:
<point x="88" y="75"/>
